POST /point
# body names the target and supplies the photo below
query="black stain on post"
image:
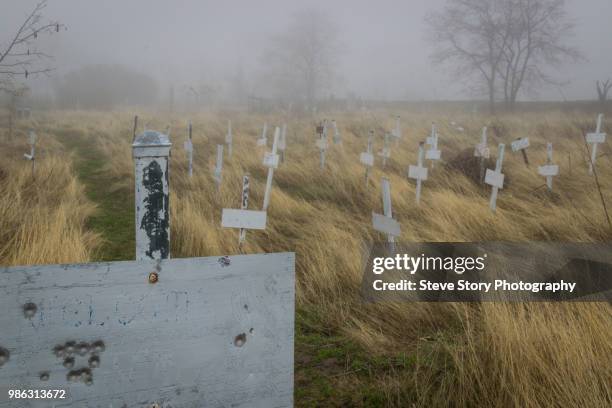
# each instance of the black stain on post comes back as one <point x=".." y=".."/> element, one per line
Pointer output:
<point x="156" y="202"/>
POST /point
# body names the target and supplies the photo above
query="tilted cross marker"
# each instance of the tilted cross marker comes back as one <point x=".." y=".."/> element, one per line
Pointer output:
<point x="385" y="223"/>
<point x="549" y="170"/>
<point x="418" y="172"/>
<point x="482" y="152"/>
<point x="433" y="153"/>
<point x="272" y="158"/>
<point x="321" y="142"/>
<point x="521" y="145"/>
<point x="367" y="158"/>
<point x="496" y="178"/>
<point x="397" y="132"/>
<point x="189" y="149"/>
<point x="32" y="156"/>
<point x="229" y="138"/>
<point x="385" y="153"/>
<point x="594" y="139"/>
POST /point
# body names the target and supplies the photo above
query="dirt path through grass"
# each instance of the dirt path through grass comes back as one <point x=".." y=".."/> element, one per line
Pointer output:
<point x="114" y="219"/>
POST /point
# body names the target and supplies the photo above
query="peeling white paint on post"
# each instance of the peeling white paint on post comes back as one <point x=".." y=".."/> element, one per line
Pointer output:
<point x="150" y="151"/>
<point x="496" y="178"/>
<point x="385" y="223"/>
<point x="263" y="141"/>
<point x="189" y="149"/>
<point x="337" y="138"/>
<point x="321" y="142"/>
<point x="191" y="332"/>
<point x="482" y="152"/>
<point x="418" y="172"/>
<point x="367" y="158"/>
<point x="273" y="156"/>
<point x="521" y="145"/>
<point x="32" y="156"/>
<point x="229" y="138"/>
<point x="385" y="153"/>
<point x="549" y="170"/>
<point x="219" y="167"/>
<point x="594" y="139"/>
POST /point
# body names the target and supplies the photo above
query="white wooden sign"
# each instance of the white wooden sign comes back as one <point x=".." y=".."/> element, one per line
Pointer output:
<point x="521" y="145"/>
<point x="367" y="159"/>
<point x="385" y="223"/>
<point x="496" y="178"/>
<point x="549" y="170"/>
<point x="193" y="332"/>
<point x="244" y="219"/>
<point x="594" y="139"/>
<point x="271" y="160"/>
<point x="418" y="172"/>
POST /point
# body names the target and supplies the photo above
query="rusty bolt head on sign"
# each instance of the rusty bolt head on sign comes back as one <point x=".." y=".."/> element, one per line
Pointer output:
<point x="44" y="376"/>
<point x="4" y="356"/>
<point x="29" y="310"/>
<point x="98" y="346"/>
<point x="153" y="277"/>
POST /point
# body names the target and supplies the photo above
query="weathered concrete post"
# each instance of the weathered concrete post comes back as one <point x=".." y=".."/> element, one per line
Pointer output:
<point x="150" y="151"/>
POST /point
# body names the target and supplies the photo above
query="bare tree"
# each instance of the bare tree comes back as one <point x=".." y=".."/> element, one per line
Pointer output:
<point x="470" y="36"/>
<point x="19" y="57"/>
<point x="507" y="41"/>
<point x="602" y="91"/>
<point x="538" y="32"/>
<point x="302" y="61"/>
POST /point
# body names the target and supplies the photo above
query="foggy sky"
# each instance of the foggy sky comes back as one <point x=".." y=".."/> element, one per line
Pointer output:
<point x="384" y="51"/>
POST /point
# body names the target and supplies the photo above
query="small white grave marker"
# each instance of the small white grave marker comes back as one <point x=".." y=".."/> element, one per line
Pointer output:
<point x="219" y="167"/>
<point x="385" y="223"/>
<point x="496" y="178"/>
<point x="282" y="143"/>
<point x="594" y="139"/>
<point x="367" y="158"/>
<point x="418" y="172"/>
<point x="433" y="153"/>
<point x="321" y="142"/>
<point x="337" y="138"/>
<point x="229" y="138"/>
<point x="482" y="152"/>
<point x="263" y="141"/>
<point x="385" y="153"/>
<point x="397" y="132"/>
<point x="188" y="145"/>
<point x="243" y="218"/>
<point x="521" y="145"/>
<point x="549" y="170"/>
<point x="271" y="170"/>
<point x="32" y="156"/>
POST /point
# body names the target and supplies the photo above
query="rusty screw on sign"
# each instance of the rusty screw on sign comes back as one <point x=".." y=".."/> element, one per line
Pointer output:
<point x="153" y="277"/>
<point x="4" y="356"/>
<point x="29" y="310"/>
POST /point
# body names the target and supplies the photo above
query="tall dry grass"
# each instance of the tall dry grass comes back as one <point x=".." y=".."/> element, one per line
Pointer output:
<point x="525" y="355"/>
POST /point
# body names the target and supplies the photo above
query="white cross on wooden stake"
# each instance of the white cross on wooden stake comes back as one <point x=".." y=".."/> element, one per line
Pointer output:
<point x="271" y="170"/>
<point x="243" y="218"/>
<point x="594" y="139"/>
<point x="32" y="156"/>
<point x="496" y="178"/>
<point x="385" y="223"/>
<point x="229" y="138"/>
<point x="385" y="153"/>
<point x="418" y="172"/>
<point x="433" y="153"/>
<point x="189" y="149"/>
<point x="321" y="142"/>
<point x="482" y="152"/>
<point x="264" y="136"/>
<point x="367" y="158"/>
<point x="219" y="166"/>
<point x="549" y="170"/>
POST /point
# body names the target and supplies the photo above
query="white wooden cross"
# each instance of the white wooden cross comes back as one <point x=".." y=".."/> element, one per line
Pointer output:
<point x="496" y="178"/>
<point x="397" y="131"/>
<point x="433" y="153"/>
<point x="229" y="138"/>
<point x="385" y="223"/>
<point x="337" y="138"/>
<point x="243" y="219"/>
<point x="321" y="142"/>
<point x="282" y="143"/>
<point x="367" y="158"/>
<point x="594" y="139"/>
<point x="188" y="145"/>
<point x="385" y="153"/>
<point x="549" y="170"/>
<point x="219" y="166"/>
<point x="263" y="141"/>
<point x="32" y="156"/>
<point x="418" y="172"/>
<point x="482" y="152"/>
<point x="272" y="159"/>
<point x="521" y="145"/>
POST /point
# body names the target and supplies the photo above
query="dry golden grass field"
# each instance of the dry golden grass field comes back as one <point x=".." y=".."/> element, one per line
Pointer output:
<point x="79" y="207"/>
